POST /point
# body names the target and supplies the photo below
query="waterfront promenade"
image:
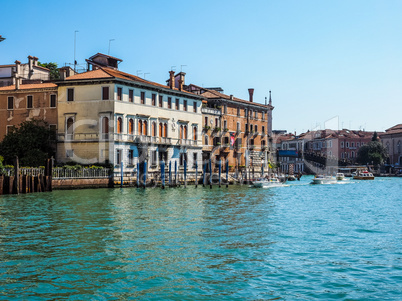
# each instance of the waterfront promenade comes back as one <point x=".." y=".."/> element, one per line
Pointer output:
<point x="299" y="242"/>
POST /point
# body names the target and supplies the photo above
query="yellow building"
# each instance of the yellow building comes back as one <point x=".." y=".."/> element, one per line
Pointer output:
<point x="108" y="116"/>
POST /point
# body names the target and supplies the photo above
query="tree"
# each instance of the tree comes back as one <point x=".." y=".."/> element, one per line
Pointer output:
<point x="373" y="152"/>
<point x="54" y="71"/>
<point x="375" y="137"/>
<point x="32" y="142"/>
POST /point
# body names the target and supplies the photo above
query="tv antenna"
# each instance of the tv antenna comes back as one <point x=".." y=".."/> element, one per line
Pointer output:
<point x="75" y="42"/>
<point x="181" y="67"/>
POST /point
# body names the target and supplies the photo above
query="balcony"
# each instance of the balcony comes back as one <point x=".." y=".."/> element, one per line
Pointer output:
<point x="78" y="137"/>
<point x="211" y="111"/>
<point x="164" y="140"/>
<point x="187" y="142"/>
<point x="144" y="139"/>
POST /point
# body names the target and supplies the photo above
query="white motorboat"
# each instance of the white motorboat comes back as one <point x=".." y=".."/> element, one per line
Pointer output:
<point x="364" y="175"/>
<point x="340" y="176"/>
<point x="267" y="183"/>
<point x="320" y="179"/>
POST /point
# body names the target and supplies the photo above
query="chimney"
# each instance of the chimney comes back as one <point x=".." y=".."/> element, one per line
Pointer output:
<point x="30" y="63"/>
<point x="231" y="96"/>
<point x="180" y="84"/>
<point x="251" y="92"/>
<point x="35" y="61"/>
<point x="17" y="83"/>
<point x="63" y="73"/>
<point x="18" y="67"/>
<point x="270" y="100"/>
<point x="171" y="79"/>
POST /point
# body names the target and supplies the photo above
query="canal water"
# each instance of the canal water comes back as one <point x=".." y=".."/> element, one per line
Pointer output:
<point x="299" y="242"/>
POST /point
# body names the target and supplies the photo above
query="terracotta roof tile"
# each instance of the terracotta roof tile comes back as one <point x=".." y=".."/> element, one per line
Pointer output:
<point x="104" y="72"/>
<point x="29" y="86"/>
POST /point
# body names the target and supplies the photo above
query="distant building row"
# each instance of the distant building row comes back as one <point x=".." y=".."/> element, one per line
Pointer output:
<point x="105" y="115"/>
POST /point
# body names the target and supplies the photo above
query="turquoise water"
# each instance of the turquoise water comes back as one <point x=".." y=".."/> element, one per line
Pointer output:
<point x="301" y="242"/>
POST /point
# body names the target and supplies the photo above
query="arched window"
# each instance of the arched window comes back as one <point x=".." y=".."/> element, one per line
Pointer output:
<point x="185" y="132"/>
<point x="131" y="126"/>
<point x="119" y="125"/>
<point x="154" y="133"/>
<point x="70" y="128"/>
<point x="145" y="128"/>
<point x="139" y="127"/>
<point x="105" y="128"/>
<point x="165" y="130"/>
<point x="206" y="139"/>
<point x="160" y="129"/>
<point x="181" y="132"/>
<point x="195" y="133"/>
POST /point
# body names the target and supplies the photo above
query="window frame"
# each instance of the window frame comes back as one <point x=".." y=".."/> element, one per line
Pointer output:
<point x="31" y="106"/>
<point x="70" y="94"/>
<point x="12" y="103"/>
<point x="55" y="100"/>
<point x="105" y="94"/>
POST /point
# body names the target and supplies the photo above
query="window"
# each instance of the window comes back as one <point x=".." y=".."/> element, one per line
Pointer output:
<point x="225" y="124"/>
<point x="238" y="127"/>
<point x="160" y="101"/>
<point x="185" y="105"/>
<point x="143" y="98"/>
<point x="118" y="156"/>
<point x="154" y="158"/>
<point x="154" y="129"/>
<point x="263" y="129"/>
<point x="238" y="112"/>
<point x="262" y="115"/>
<point x="105" y="93"/>
<point x="194" y="106"/>
<point x="139" y="127"/>
<point x="105" y="128"/>
<point x="183" y="157"/>
<point x="53" y="100"/>
<point x="119" y="93"/>
<point x="357" y="144"/>
<point x="69" y="153"/>
<point x="153" y="99"/>
<point x="70" y="128"/>
<point x="256" y="115"/>
<point x="194" y="159"/>
<point x="131" y="95"/>
<point x="165" y="130"/>
<point x="70" y="94"/>
<point x="246" y="128"/>
<point x="216" y="122"/>
<point x="206" y="139"/>
<point x="245" y="112"/>
<point x="206" y="121"/>
<point x="10" y="103"/>
<point x="29" y="102"/>
<point x="342" y="144"/>
<point x="130" y="126"/>
<point x="256" y="128"/>
<point x="130" y="157"/>
<point x="9" y="128"/>
<point x="177" y="104"/>
<point x="195" y="133"/>
<point x="225" y="109"/>
<point x="169" y="102"/>
<point x="353" y="144"/>
<point x="119" y="129"/>
<point x="347" y="144"/>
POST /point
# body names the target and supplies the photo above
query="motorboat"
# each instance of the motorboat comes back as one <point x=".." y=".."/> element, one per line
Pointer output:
<point x="364" y="175"/>
<point x="291" y="178"/>
<point x="321" y="179"/>
<point x="267" y="183"/>
<point x="340" y="176"/>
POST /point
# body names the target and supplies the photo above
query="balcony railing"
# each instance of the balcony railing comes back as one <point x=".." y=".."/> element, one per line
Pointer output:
<point x="211" y="111"/>
<point x="165" y="140"/>
<point x="187" y="142"/>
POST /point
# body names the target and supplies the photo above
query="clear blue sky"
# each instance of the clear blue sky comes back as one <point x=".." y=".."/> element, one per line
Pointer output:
<point x="321" y="59"/>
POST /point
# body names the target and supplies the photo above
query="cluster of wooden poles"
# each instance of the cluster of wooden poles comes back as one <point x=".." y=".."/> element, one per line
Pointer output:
<point x="26" y="183"/>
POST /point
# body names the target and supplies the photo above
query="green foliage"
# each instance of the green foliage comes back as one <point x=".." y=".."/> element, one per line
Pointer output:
<point x="30" y="142"/>
<point x="1" y="165"/>
<point x="54" y="71"/>
<point x="373" y="153"/>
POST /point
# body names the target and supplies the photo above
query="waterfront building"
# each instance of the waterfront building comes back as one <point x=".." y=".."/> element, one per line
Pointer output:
<point x="392" y="141"/>
<point x="30" y="72"/>
<point x="235" y="130"/>
<point x="24" y="96"/>
<point x="339" y="145"/>
<point x="108" y="116"/>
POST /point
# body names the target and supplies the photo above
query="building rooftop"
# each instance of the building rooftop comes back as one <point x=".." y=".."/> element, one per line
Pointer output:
<point x="29" y="86"/>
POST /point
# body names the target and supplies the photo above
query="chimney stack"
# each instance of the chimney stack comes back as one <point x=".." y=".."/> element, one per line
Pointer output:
<point x="17" y="74"/>
<point x="171" y="79"/>
<point x="180" y="84"/>
<point x="270" y="100"/>
<point x="35" y="61"/>
<point x="251" y="92"/>
<point x="30" y="63"/>
<point x="231" y="96"/>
